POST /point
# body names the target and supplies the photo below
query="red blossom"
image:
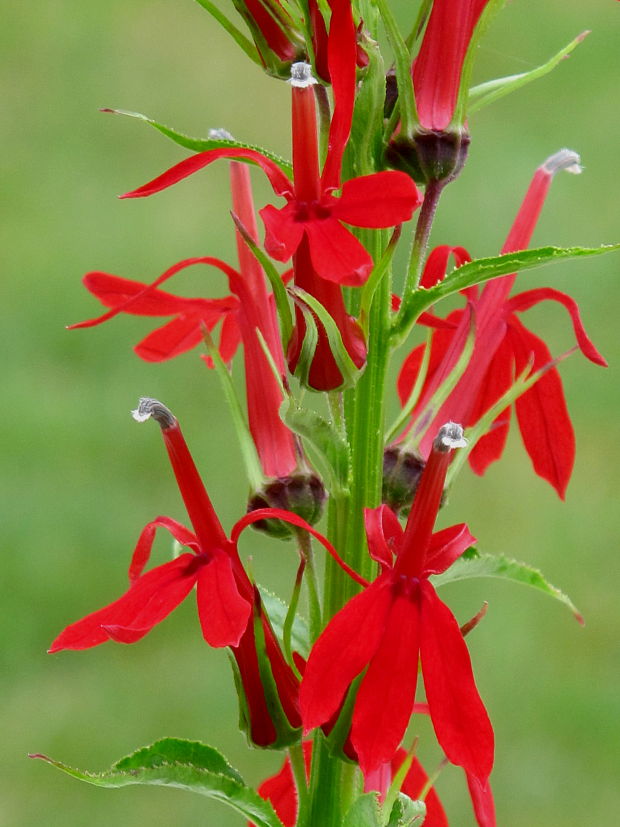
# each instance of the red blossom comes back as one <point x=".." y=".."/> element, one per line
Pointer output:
<point x="385" y="628"/>
<point x="504" y="347"/>
<point x="438" y="66"/>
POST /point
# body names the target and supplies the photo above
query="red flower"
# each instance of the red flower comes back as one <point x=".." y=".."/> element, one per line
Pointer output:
<point x="504" y="348"/>
<point x="438" y="67"/>
<point x="398" y="617"/>
<point x="310" y="225"/>
<point x="251" y="308"/>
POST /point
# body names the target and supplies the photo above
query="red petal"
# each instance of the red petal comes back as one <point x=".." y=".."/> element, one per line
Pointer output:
<point x="341" y="652"/>
<point x="382" y="199"/>
<point x="498" y="379"/>
<point x="278" y="180"/>
<point x="482" y="800"/>
<point x="283" y="233"/>
<point x="280" y="789"/>
<point x="543" y="418"/>
<point x="384" y="701"/>
<point x="223" y="613"/>
<point x="148" y="601"/>
<point x="176" y="337"/>
<point x="437" y="68"/>
<point x="384" y="534"/>
<point x="523" y="301"/>
<point x="142" y="551"/>
<point x="341" y="59"/>
<point x="447" y="546"/>
<point x="459" y="718"/>
<point x="336" y="254"/>
<point x="415" y="781"/>
<point x="437" y="263"/>
<point x="114" y="290"/>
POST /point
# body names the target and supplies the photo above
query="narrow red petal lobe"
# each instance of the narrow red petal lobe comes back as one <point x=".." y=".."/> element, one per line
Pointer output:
<point x="278" y="180"/>
<point x="385" y="698"/>
<point x="437" y="263"/>
<point x="384" y="534"/>
<point x="482" y="800"/>
<point x="114" y="290"/>
<point x="148" y="601"/>
<point x="459" y="718"/>
<point x="336" y="254"/>
<point x="445" y="547"/>
<point x="283" y="233"/>
<point x="382" y="199"/>
<point x="173" y="339"/>
<point x="142" y="551"/>
<point x="223" y="613"/>
<point x="527" y="299"/>
<point x="542" y="414"/>
<point x="344" y="648"/>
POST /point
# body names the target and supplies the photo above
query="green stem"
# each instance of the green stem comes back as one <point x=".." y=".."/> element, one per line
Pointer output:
<point x="416" y="259"/>
<point x="296" y="755"/>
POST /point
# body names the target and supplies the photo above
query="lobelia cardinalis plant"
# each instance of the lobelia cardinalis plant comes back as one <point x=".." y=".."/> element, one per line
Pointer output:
<point x="373" y="145"/>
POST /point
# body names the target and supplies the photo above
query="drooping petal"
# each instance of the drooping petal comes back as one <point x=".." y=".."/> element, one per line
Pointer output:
<point x="482" y="801"/>
<point x="437" y="263"/>
<point x="498" y="379"/>
<point x="445" y="547"/>
<point x="278" y="180"/>
<point x="230" y="337"/>
<point x="341" y="59"/>
<point x="283" y="233"/>
<point x="384" y="701"/>
<point x="224" y="614"/>
<point x="542" y="414"/>
<point x="343" y="649"/>
<point x="384" y="534"/>
<point x="337" y="255"/>
<point x="459" y="718"/>
<point x="142" y="551"/>
<point x="170" y="340"/>
<point x="383" y="199"/>
<point x="527" y="299"/>
<point x="148" y="601"/>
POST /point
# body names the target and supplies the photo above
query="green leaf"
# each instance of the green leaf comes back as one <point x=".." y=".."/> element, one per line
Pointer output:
<point x="475" y="564"/>
<point x="276" y="610"/>
<point x="202" y="144"/>
<point x="482" y="270"/>
<point x="406" y="812"/>
<point x="330" y="448"/>
<point x="364" y="812"/>
<point x="492" y="90"/>
<point x="186" y="765"/>
<point x="238" y="36"/>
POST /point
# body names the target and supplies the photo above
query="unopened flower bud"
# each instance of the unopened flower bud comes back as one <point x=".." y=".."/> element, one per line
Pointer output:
<point x="429" y="155"/>
<point x="401" y="474"/>
<point x="302" y="493"/>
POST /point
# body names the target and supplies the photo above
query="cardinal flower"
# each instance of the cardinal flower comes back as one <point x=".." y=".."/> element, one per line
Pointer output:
<point x="504" y="347"/>
<point x="311" y="222"/>
<point x="396" y="620"/>
<point x="229" y="608"/>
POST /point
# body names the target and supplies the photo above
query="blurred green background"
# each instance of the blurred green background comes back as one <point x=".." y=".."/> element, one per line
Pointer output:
<point x="81" y="479"/>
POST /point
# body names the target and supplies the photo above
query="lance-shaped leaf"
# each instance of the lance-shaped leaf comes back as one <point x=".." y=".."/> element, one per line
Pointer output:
<point x="482" y="270"/>
<point x="187" y="765"/>
<point x="476" y="564"/>
<point x="492" y="90"/>
<point x="202" y="144"/>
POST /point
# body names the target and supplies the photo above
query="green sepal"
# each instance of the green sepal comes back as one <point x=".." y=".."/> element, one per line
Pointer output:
<point x="492" y="90"/>
<point x="379" y="271"/>
<point x="203" y="144"/>
<point x="402" y="61"/>
<point x="482" y="270"/>
<point x="310" y="308"/>
<point x="473" y="563"/>
<point x="341" y="729"/>
<point x="364" y="812"/>
<point x="407" y="812"/>
<point x="186" y="765"/>
<point x="276" y="610"/>
<point x="330" y="450"/>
